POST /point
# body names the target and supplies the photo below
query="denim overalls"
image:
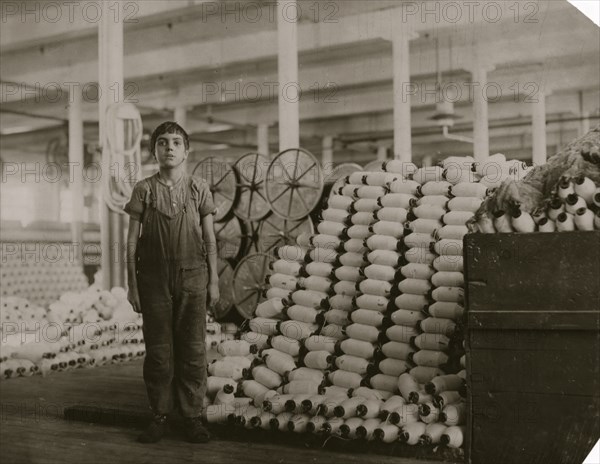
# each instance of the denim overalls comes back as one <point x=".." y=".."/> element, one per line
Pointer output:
<point x="172" y="276"/>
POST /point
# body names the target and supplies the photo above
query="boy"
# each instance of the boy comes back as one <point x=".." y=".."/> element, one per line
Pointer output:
<point x="170" y="273"/>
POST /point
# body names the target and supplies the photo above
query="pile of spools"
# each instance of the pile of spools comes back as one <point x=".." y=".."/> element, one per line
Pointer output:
<point x="562" y="195"/>
<point x="360" y="335"/>
<point x="40" y="272"/>
<point x="84" y="329"/>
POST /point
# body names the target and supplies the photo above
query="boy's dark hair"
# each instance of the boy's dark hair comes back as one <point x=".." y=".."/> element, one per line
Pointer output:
<point x="169" y="127"/>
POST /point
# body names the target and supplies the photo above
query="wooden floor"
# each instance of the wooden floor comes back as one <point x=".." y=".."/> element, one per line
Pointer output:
<point x="33" y="429"/>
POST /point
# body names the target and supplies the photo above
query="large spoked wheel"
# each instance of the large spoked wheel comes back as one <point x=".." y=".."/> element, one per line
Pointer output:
<point x="225" y="304"/>
<point x="249" y="283"/>
<point x="276" y="231"/>
<point x="222" y="181"/>
<point x="294" y="184"/>
<point x="230" y="238"/>
<point x="252" y="204"/>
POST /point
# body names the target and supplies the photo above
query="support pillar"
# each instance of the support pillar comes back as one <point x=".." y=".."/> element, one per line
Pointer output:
<point x="481" y="134"/>
<point x="538" y="130"/>
<point x="382" y="153"/>
<point x="287" y="68"/>
<point x="180" y="116"/>
<point x="112" y="224"/>
<point x="327" y="154"/>
<point x="401" y="36"/>
<point x="76" y="160"/>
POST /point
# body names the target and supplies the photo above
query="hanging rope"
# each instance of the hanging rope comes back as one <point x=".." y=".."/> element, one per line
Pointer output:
<point x="122" y="153"/>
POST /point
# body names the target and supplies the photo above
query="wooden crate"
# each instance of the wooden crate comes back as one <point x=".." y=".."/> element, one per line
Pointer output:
<point x="533" y="346"/>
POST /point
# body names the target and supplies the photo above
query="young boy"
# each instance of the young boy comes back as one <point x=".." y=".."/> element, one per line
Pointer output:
<point x="170" y="272"/>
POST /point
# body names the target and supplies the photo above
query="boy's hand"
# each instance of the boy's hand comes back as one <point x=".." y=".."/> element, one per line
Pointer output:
<point x="213" y="293"/>
<point x="134" y="298"/>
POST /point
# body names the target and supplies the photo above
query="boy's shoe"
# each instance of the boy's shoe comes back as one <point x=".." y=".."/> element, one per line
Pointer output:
<point x="195" y="431"/>
<point x="155" y="431"/>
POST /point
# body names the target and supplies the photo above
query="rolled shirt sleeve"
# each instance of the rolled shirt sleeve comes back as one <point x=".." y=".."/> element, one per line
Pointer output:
<point x="135" y="207"/>
<point x="206" y="204"/>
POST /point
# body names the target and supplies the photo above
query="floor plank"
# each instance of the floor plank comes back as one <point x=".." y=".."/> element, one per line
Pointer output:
<point x="33" y="430"/>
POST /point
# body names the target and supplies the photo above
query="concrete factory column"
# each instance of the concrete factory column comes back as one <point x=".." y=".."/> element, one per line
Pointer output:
<point x="287" y="68"/>
<point x="180" y="116"/>
<point x="401" y="36"/>
<point x="262" y="139"/>
<point x="538" y="129"/>
<point x="327" y="154"/>
<point x="481" y="134"/>
<point x="76" y="160"/>
<point x="112" y="224"/>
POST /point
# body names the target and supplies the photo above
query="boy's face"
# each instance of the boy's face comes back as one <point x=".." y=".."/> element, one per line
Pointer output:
<point x="170" y="150"/>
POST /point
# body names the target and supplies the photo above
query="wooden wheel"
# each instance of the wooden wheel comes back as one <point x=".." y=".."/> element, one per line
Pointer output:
<point x="249" y="283"/>
<point x="252" y="204"/>
<point x="275" y="231"/>
<point x="222" y="181"/>
<point x="230" y="238"/>
<point x="225" y="304"/>
<point x="294" y="184"/>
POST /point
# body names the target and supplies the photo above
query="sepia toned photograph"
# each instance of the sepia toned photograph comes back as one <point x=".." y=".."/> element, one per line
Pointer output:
<point x="300" y="231"/>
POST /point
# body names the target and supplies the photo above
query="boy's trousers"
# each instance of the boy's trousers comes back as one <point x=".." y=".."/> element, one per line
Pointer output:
<point x="174" y="314"/>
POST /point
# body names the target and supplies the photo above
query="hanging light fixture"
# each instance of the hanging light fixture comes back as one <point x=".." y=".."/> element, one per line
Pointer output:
<point x="444" y="115"/>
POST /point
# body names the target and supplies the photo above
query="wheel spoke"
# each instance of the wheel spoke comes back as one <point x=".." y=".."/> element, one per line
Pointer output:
<point x="296" y="164"/>
<point x="260" y="194"/>
<point x="250" y="204"/>
<point x="281" y="194"/>
<point x="254" y="172"/>
<point x="223" y="195"/>
<point x="250" y="295"/>
<point x="296" y="226"/>
<point x="304" y="203"/>
<point x="263" y="266"/>
<point x="289" y="208"/>
<point x="306" y="172"/>
<point x="222" y="178"/>
<point x="284" y="168"/>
